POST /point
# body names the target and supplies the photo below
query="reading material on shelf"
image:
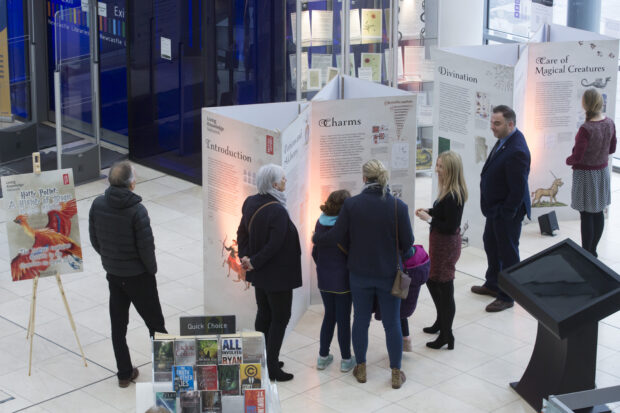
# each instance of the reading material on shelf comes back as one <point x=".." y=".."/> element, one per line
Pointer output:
<point x="211" y="401"/>
<point x="206" y="350"/>
<point x="163" y="360"/>
<point x="183" y="378"/>
<point x="306" y="34"/>
<point x="167" y="399"/>
<point x="190" y="402"/>
<point x="206" y="377"/>
<point x="255" y="401"/>
<point x="372" y="20"/>
<point x="253" y="346"/>
<point x="231" y="349"/>
<point x="372" y="61"/>
<point x="250" y="374"/>
<point x="228" y="379"/>
<point x="185" y="352"/>
<point x="322" y="25"/>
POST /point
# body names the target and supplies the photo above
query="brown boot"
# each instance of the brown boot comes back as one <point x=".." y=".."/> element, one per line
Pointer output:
<point x="359" y="372"/>
<point x="398" y="378"/>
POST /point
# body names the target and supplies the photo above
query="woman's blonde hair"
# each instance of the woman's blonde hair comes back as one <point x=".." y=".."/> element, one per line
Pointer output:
<point x="592" y="103"/>
<point x="453" y="181"/>
<point x="374" y="171"/>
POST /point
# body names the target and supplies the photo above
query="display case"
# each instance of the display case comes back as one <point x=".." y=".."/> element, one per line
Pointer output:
<point x="353" y="34"/>
<point x="416" y="34"/>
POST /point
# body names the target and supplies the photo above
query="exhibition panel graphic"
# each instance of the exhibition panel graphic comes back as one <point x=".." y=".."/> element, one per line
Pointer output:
<point x="466" y="91"/>
<point x="544" y="83"/>
<point x="42" y="224"/>
<point x="322" y="146"/>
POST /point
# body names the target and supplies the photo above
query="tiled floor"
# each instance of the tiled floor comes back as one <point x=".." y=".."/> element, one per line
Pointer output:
<point x="491" y="349"/>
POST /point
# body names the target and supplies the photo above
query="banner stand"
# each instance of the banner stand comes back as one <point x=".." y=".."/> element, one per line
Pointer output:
<point x="36" y="169"/>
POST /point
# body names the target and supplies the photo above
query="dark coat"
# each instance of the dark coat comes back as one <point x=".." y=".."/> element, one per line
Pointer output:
<point x="331" y="264"/>
<point x="272" y="244"/>
<point x="366" y="228"/>
<point x="504" y="191"/>
<point x="120" y="231"/>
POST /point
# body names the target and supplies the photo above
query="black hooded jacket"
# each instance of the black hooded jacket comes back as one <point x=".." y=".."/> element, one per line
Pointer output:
<point x="120" y="231"/>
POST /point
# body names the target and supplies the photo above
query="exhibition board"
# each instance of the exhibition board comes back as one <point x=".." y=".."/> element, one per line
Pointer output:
<point x="322" y="146"/>
<point x="543" y="82"/>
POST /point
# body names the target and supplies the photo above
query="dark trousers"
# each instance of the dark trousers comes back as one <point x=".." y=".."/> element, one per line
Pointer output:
<point x="592" y="224"/>
<point x="501" y="244"/>
<point x="337" y="311"/>
<point x="272" y="316"/>
<point x="442" y="294"/>
<point x="404" y="326"/>
<point x="141" y="291"/>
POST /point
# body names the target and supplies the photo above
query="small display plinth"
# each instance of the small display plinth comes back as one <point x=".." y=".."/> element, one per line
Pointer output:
<point x="568" y="291"/>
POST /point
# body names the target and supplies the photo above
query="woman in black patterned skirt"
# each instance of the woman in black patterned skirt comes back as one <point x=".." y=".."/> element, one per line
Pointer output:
<point x="595" y="141"/>
<point x="445" y="244"/>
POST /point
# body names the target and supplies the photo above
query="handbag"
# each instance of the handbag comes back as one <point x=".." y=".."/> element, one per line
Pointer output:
<point x="400" y="288"/>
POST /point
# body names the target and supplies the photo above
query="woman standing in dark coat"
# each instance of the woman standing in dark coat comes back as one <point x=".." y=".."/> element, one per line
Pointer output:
<point x="367" y="227"/>
<point x="591" y="193"/>
<point x="333" y="280"/>
<point x="271" y="255"/>
<point x="445" y="244"/>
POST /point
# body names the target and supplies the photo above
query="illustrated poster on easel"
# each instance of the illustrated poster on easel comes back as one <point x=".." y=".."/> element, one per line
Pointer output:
<point x="42" y="224"/>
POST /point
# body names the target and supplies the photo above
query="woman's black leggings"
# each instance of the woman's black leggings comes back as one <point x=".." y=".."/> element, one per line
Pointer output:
<point x="592" y="224"/>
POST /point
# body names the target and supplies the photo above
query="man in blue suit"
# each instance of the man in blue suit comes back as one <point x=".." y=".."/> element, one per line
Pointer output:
<point x="504" y="201"/>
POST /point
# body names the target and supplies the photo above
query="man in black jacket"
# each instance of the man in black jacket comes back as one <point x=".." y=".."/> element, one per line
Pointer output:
<point x="120" y="231"/>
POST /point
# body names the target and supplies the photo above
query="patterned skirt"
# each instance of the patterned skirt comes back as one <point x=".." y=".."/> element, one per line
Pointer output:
<point x="444" y="251"/>
<point x="591" y="190"/>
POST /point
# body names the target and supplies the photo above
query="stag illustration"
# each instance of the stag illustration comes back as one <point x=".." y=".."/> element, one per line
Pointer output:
<point x="233" y="262"/>
<point x="550" y="192"/>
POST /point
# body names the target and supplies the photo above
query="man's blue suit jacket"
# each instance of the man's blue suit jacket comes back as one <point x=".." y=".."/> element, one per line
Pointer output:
<point x="503" y="180"/>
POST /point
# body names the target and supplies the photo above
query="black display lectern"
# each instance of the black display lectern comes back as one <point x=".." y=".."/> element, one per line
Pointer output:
<point x="568" y="291"/>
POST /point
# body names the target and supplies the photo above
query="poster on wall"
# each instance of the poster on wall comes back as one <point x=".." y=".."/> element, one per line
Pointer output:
<point x="5" y="82"/>
<point x="544" y="83"/>
<point x="235" y="145"/>
<point x="467" y="89"/>
<point x="558" y="75"/>
<point x="347" y="133"/>
<point x="42" y="224"/>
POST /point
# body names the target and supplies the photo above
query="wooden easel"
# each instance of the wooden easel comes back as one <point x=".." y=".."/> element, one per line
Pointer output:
<point x="36" y="169"/>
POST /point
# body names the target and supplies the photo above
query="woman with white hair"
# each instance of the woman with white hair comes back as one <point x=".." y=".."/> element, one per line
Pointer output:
<point x="271" y="254"/>
<point x="376" y="230"/>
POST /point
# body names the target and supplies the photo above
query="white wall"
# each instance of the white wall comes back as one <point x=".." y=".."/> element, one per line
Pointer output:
<point x="460" y="22"/>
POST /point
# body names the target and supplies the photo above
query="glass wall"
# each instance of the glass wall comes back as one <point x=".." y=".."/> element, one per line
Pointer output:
<point x="17" y="40"/>
<point x="112" y="58"/>
<point x="184" y="55"/>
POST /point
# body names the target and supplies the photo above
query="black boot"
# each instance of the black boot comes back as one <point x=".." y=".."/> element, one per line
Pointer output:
<point x="442" y="341"/>
<point x="433" y="289"/>
<point x="446" y="316"/>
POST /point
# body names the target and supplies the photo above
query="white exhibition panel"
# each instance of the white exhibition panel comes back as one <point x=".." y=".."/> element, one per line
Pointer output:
<point x="322" y="146"/>
<point x="276" y="116"/>
<point x="232" y="153"/>
<point x="557" y="75"/>
<point x="347" y="133"/>
<point x="466" y="90"/>
<point x="544" y="86"/>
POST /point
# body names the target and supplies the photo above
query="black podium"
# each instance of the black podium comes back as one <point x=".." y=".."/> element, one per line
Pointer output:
<point x="568" y="291"/>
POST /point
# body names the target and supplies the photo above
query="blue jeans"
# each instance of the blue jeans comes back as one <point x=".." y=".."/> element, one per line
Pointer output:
<point x="364" y="290"/>
<point x="337" y="311"/>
